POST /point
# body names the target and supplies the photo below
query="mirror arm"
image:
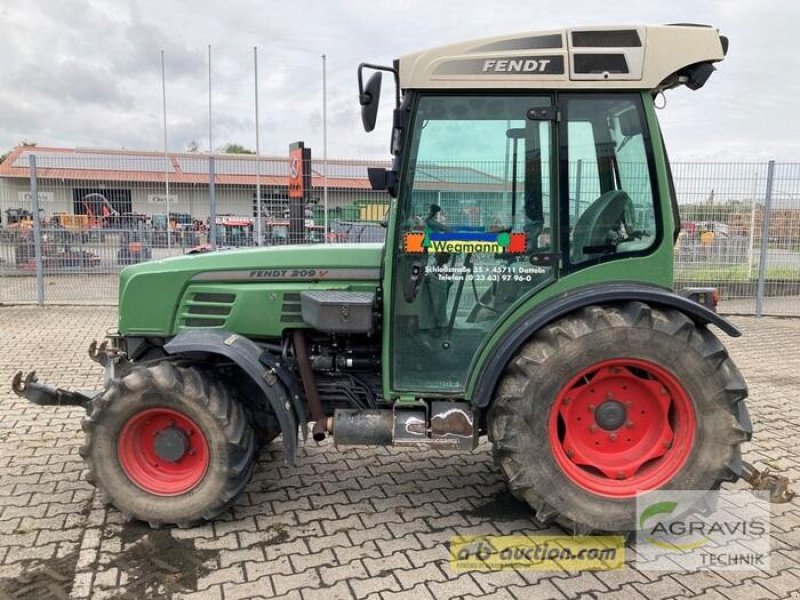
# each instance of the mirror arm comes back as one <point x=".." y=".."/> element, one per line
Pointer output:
<point x="362" y="96"/>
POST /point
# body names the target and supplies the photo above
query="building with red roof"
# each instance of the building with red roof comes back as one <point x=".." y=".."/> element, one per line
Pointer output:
<point x="134" y="181"/>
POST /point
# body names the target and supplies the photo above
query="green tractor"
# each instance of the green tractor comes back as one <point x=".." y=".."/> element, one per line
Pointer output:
<point x="524" y="292"/>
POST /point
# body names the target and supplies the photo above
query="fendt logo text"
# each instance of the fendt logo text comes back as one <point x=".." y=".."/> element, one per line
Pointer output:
<point x="528" y="65"/>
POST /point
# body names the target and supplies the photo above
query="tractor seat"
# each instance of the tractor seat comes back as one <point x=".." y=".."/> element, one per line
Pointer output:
<point x="596" y="225"/>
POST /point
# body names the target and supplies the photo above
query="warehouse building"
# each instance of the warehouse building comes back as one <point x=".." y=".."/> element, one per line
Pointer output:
<point x="152" y="183"/>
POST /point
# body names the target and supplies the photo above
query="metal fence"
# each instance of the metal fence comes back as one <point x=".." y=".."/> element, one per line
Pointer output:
<point x="741" y="234"/>
<point x="99" y="212"/>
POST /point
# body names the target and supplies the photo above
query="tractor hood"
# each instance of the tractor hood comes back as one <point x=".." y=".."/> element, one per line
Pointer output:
<point x="151" y="294"/>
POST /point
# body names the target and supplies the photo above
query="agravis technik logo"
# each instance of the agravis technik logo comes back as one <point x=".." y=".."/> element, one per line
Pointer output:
<point x="692" y="529"/>
<point x="660" y="532"/>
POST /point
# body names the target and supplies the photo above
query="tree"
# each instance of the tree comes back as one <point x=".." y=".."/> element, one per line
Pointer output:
<point x="235" y="149"/>
<point x="192" y="146"/>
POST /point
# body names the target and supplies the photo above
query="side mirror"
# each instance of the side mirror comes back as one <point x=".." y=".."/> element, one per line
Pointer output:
<point x="383" y="179"/>
<point x="369" y="98"/>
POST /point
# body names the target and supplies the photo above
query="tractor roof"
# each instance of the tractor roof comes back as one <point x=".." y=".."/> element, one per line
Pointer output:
<point x="624" y="57"/>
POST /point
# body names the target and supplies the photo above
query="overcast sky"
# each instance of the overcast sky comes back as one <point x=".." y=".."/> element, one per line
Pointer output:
<point x="87" y="73"/>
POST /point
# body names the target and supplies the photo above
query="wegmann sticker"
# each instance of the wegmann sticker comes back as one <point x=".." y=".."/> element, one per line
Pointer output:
<point x="456" y="242"/>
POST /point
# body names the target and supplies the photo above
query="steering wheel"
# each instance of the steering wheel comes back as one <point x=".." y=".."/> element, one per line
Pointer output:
<point x="592" y="233"/>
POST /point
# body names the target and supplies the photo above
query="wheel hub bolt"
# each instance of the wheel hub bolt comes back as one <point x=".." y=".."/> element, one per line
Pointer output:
<point x="611" y="415"/>
<point x="171" y="444"/>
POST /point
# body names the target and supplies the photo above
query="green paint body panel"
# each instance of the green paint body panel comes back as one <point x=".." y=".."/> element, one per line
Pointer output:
<point x="154" y="297"/>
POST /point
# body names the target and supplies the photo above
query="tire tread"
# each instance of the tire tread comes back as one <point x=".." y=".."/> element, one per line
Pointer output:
<point x="505" y="426"/>
<point x="208" y="394"/>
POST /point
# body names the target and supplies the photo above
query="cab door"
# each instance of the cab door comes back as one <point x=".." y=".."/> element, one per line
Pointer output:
<point x="474" y="232"/>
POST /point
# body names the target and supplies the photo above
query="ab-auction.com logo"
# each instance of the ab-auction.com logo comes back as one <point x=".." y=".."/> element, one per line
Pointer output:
<point x="693" y="529"/>
<point x="456" y="242"/>
<point x="537" y="552"/>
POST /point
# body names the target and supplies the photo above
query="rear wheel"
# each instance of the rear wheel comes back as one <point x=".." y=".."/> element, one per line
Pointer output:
<point x="168" y="445"/>
<point x="614" y="401"/>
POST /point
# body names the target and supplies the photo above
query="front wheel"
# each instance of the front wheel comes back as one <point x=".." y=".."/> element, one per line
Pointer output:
<point x="612" y="402"/>
<point x="168" y="445"/>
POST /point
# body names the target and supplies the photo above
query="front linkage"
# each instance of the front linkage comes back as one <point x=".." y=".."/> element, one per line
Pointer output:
<point x="28" y="386"/>
<point x="46" y="395"/>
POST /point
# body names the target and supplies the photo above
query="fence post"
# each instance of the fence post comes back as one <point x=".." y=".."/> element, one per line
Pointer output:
<point x="212" y="209"/>
<point x="752" y="226"/>
<point x="762" y="262"/>
<point x="37" y="233"/>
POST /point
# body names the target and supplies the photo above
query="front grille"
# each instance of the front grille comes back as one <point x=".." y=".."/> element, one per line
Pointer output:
<point x="217" y="298"/>
<point x="195" y="322"/>
<point x="200" y="309"/>
<point x="291" y="308"/>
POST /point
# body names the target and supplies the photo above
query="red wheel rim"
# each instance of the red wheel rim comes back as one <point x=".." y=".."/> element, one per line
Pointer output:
<point x="622" y="426"/>
<point x="163" y="452"/>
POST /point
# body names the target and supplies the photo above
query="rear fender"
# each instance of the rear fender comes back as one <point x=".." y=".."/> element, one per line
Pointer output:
<point x="566" y="303"/>
<point x="247" y="354"/>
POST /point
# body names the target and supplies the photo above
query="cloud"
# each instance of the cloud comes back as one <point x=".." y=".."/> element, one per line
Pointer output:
<point x="88" y="72"/>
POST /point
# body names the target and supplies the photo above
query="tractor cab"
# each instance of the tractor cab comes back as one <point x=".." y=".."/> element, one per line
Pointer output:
<point x="524" y="166"/>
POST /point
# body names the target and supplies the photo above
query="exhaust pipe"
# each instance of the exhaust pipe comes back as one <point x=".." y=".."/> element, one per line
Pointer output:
<point x="361" y="427"/>
<point x="309" y="385"/>
<point x="451" y="426"/>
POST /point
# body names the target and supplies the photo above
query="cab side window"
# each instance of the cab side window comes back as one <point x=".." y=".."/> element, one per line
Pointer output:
<point x="611" y="206"/>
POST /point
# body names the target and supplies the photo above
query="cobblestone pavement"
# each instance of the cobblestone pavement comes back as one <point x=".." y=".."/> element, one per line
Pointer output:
<point x="357" y="523"/>
<point x="76" y="288"/>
